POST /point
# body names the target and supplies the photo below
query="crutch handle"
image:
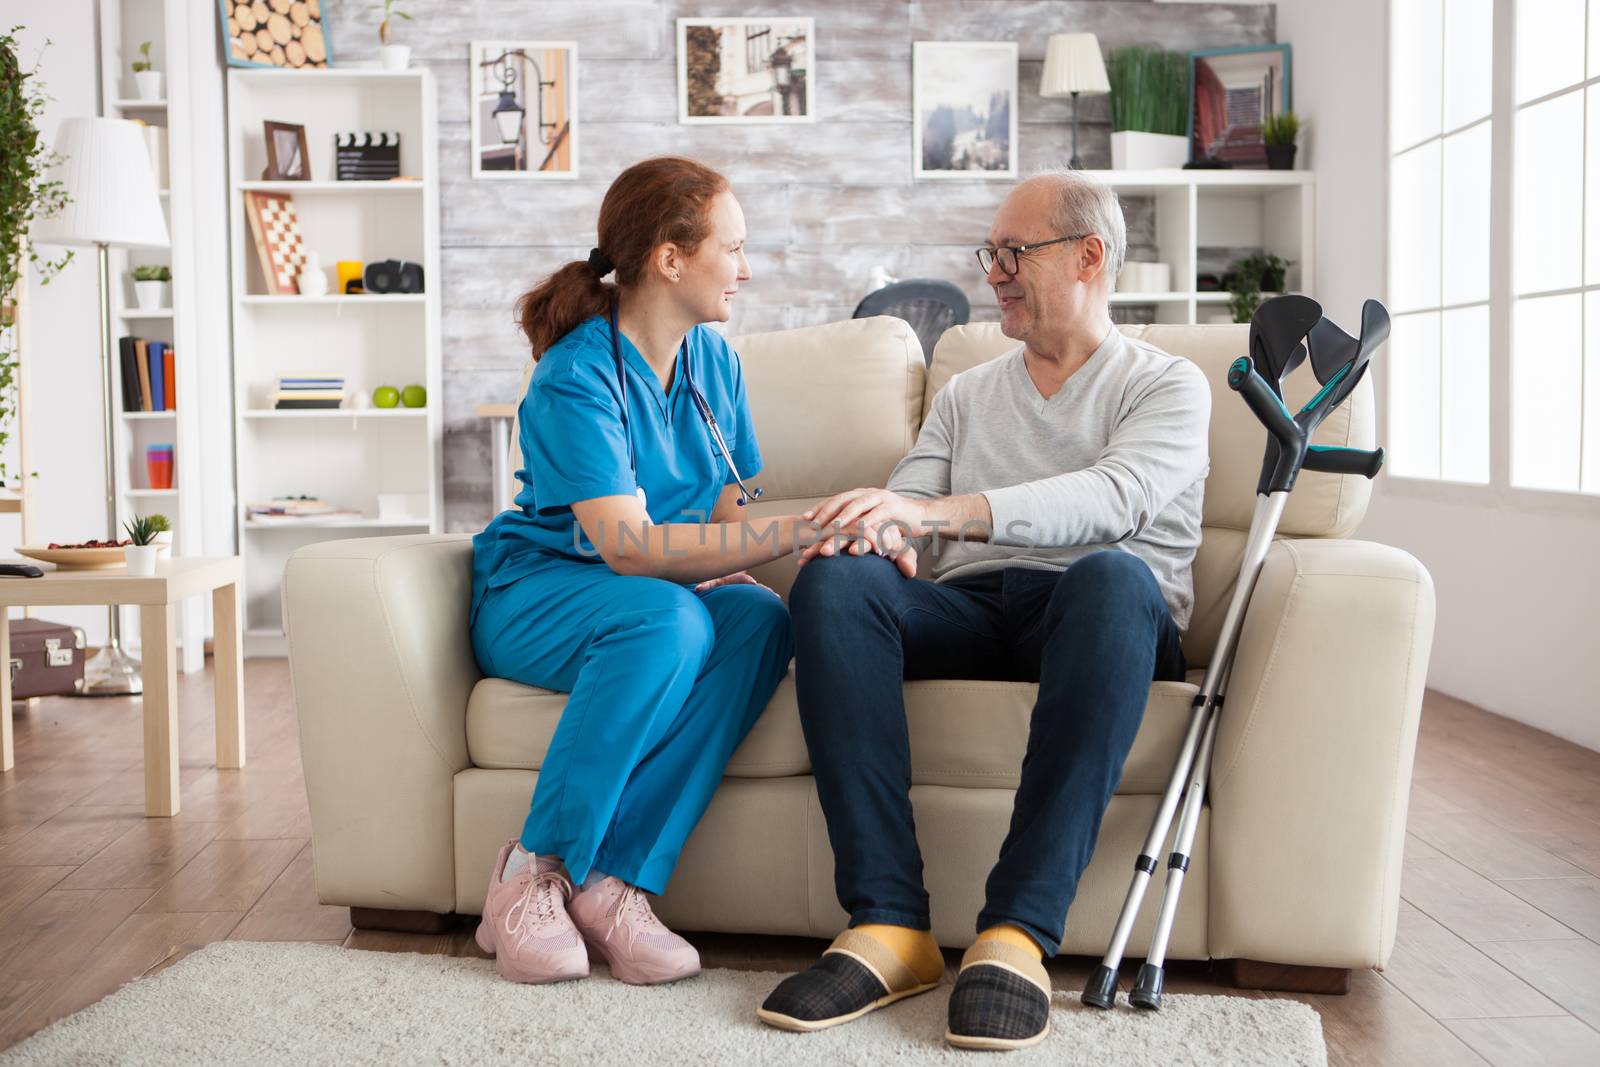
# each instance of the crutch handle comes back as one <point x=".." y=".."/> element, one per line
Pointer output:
<point x="1332" y="459"/>
<point x="1243" y="378"/>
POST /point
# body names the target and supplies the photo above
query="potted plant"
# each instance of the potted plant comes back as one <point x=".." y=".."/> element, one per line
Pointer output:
<point x="1251" y="276"/>
<point x="141" y="555"/>
<point x="1149" y="108"/>
<point x="1278" y="133"/>
<point x="145" y="80"/>
<point x="395" y="56"/>
<point x="25" y="197"/>
<point x="152" y="286"/>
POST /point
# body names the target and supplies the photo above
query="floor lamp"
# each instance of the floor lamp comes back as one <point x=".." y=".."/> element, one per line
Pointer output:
<point x="112" y="201"/>
<point x="1072" y="65"/>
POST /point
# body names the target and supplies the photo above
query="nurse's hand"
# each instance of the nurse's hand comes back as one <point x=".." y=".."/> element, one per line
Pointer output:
<point x="740" y="578"/>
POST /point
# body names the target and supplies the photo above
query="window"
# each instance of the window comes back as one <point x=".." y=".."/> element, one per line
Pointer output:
<point x="1440" y="128"/>
<point x="1480" y="313"/>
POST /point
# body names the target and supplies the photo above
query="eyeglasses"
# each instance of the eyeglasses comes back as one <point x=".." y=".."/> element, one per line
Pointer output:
<point x="1008" y="256"/>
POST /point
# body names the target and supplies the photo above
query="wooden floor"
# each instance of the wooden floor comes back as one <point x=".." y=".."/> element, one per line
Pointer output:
<point x="1497" y="959"/>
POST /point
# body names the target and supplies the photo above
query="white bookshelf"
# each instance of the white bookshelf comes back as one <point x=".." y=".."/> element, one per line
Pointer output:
<point x="1270" y="210"/>
<point x="351" y="455"/>
<point x="181" y="47"/>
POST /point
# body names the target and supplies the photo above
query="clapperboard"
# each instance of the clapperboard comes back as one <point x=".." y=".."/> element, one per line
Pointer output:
<point x="367" y="156"/>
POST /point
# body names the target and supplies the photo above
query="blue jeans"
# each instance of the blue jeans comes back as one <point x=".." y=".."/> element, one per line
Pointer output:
<point x="1093" y="636"/>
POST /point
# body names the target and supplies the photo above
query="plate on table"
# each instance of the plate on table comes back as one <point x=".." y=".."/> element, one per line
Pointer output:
<point x="75" y="558"/>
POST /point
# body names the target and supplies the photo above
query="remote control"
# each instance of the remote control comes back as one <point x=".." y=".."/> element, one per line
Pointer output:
<point x="20" y="570"/>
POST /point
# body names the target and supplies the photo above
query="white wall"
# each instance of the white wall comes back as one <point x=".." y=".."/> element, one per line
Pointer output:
<point x="64" y="351"/>
<point x="1518" y="591"/>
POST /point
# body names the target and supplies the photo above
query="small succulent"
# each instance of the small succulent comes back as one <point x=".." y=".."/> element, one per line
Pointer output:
<point x="144" y="528"/>
<point x="142" y="64"/>
<point x="152" y="272"/>
<point x="1281" y="128"/>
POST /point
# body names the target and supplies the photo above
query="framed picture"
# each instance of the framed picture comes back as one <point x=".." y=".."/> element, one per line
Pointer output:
<point x="964" y="109"/>
<point x="1231" y="92"/>
<point x="287" y="160"/>
<point x="293" y="36"/>
<point x="746" y="70"/>
<point x="524" y="109"/>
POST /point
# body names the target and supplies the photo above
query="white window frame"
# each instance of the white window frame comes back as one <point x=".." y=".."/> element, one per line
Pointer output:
<point x="1498" y="493"/>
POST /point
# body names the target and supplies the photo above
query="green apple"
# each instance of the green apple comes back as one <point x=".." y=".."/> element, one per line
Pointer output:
<point x="413" y="396"/>
<point x="386" y="396"/>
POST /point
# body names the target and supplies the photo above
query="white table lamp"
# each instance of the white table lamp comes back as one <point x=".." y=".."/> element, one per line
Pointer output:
<point x="112" y="199"/>
<point x="1073" y="65"/>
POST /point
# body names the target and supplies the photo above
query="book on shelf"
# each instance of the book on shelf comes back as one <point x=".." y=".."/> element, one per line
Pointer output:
<point x="306" y="404"/>
<point x="285" y="510"/>
<point x="149" y="374"/>
<point x="308" y="391"/>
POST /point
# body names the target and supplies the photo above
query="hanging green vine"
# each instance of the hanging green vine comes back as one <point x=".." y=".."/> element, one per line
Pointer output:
<point x="25" y="194"/>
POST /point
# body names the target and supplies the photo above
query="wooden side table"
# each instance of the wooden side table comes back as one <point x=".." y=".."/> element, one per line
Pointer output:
<point x="156" y="597"/>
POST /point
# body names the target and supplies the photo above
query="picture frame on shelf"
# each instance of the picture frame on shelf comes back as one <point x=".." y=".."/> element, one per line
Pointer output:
<point x="287" y="158"/>
<point x="524" y="109"/>
<point x="746" y="71"/>
<point x="1232" y="91"/>
<point x="964" y="109"/>
<point x="279" y="40"/>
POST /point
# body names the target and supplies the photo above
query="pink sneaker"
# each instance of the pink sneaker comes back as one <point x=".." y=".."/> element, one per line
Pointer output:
<point x="525" y="924"/>
<point x="616" y="921"/>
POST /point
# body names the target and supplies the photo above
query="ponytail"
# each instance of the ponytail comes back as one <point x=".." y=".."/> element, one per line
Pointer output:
<point x="651" y="203"/>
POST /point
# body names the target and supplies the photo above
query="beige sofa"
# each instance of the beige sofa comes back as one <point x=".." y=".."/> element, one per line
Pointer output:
<point x="418" y="767"/>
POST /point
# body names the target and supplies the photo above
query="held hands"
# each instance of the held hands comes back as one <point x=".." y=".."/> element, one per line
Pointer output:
<point x="863" y="520"/>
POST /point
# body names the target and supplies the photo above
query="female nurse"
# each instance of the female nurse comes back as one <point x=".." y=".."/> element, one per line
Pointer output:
<point x="619" y="577"/>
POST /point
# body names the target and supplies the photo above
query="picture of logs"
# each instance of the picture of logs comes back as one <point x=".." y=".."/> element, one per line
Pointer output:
<point x="277" y="33"/>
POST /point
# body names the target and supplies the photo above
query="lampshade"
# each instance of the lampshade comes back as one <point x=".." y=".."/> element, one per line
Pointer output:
<point x="1072" y="64"/>
<point x="110" y="188"/>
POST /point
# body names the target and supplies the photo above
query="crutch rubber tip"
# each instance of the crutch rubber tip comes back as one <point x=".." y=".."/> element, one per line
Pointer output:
<point x="1147" y="988"/>
<point x="1101" y="992"/>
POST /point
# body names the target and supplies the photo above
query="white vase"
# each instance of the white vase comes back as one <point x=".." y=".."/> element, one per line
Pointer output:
<point x="151" y="296"/>
<point x="313" y="280"/>
<point x="395" y="56"/>
<point x="147" y="83"/>
<point x="1135" y="150"/>
<point x="141" y="559"/>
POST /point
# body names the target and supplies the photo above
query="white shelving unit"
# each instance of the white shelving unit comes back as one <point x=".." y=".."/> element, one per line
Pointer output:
<point x="1273" y="210"/>
<point x="191" y="324"/>
<point x="347" y="456"/>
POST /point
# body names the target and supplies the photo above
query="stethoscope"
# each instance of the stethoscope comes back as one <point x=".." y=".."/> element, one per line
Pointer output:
<point x="745" y="495"/>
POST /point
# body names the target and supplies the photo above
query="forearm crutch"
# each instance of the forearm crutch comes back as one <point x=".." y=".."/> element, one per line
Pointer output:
<point x="1283" y="333"/>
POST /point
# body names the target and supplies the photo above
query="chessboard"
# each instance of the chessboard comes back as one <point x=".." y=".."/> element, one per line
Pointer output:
<point x="279" y="246"/>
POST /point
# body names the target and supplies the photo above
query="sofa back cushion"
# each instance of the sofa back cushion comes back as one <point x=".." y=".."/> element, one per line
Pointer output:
<point x="1322" y="505"/>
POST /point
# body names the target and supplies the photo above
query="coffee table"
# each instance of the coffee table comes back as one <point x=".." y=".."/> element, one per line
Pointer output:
<point x="156" y="597"/>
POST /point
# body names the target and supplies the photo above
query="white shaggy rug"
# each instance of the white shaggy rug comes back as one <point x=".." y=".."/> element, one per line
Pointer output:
<point x="244" y="1002"/>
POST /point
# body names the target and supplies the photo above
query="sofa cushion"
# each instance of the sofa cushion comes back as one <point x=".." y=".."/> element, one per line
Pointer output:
<point x="963" y="733"/>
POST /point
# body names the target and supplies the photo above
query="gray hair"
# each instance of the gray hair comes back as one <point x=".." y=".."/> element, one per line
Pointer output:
<point x="1087" y="205"/>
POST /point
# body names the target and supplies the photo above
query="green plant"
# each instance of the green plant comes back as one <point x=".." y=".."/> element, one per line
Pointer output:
<point x="142" y="64"/>
<point x="1149" y="90"/>
<point x="389" y="11"/>
<point x="1249" y="277"/>
<point x="152" y="272"/>
<point x="143" y="529"/>
<point x="1281" y="128"/>
<point x="25" y="195"/>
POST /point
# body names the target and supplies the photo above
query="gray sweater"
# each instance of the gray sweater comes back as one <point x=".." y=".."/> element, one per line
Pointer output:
<point x="1116" y="459"/>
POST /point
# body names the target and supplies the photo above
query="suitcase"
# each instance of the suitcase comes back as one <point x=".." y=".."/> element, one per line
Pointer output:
<point x="46" y="659"/>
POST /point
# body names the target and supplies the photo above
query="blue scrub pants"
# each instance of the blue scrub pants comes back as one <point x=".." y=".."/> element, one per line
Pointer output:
<point x="665" y="682"/>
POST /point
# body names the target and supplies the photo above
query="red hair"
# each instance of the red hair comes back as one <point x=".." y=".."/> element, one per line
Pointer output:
<point x="658" y="201"/>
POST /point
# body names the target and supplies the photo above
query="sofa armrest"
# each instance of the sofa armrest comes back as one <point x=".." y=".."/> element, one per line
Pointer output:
<point x="381" y="666"/>
<point x="1312" y="769"/>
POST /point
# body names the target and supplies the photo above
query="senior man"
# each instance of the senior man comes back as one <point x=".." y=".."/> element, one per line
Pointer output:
<point x="1059" y="487"/>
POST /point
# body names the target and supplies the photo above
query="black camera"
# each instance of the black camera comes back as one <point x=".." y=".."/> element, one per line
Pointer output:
<point x="392" y="276"/>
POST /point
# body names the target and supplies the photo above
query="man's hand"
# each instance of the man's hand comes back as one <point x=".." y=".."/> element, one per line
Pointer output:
<point x="738" y="578"/>
<point x="874" y="519"/>
<point x="904" y="557"/>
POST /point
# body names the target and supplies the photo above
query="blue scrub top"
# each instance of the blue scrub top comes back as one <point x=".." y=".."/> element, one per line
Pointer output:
<point x="575" y="447"/>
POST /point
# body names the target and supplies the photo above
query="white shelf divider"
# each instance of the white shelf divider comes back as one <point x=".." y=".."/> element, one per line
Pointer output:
<point x="345" y="456"/>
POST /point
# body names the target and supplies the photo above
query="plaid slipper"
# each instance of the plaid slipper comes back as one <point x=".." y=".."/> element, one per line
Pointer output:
<point x="1001" y="999"/>
<point x="856" y="974"/>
